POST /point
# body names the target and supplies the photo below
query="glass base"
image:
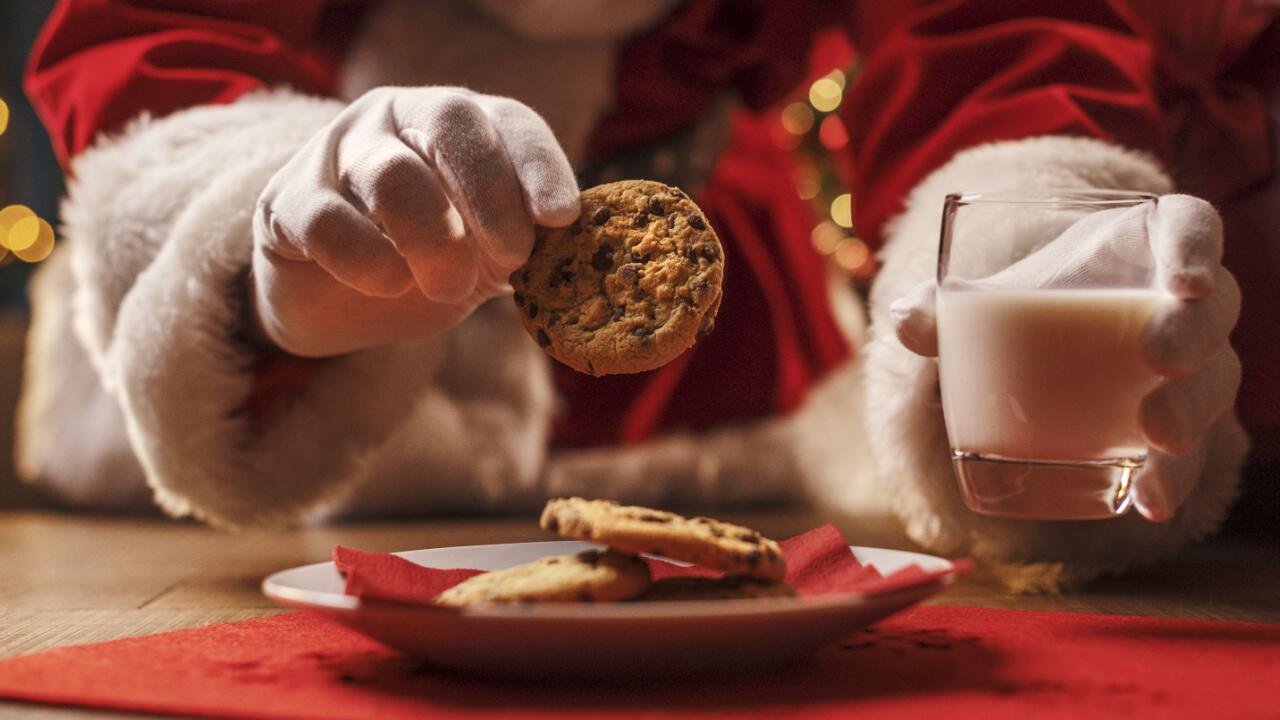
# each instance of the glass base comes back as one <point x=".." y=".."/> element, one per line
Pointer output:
<point x="1045" y="489"/>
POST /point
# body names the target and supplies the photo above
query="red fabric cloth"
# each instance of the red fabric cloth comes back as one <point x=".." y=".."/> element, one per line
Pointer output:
<point x="955" y="663"/>
<point x="1184" y="81"/>
<point x="818" y="563"/>
<point x="99" y="63"/>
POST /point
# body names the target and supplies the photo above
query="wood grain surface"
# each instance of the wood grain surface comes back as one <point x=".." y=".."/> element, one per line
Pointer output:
<point x="79" y="579"/>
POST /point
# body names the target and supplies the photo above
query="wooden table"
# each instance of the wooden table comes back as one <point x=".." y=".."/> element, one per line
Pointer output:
<point x="79" y="579"/>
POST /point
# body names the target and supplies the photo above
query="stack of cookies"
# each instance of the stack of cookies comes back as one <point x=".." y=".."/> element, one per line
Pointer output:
<point x="753" y="565"/>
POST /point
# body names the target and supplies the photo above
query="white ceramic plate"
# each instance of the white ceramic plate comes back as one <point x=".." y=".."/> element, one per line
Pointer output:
<point x="619" y="639"/>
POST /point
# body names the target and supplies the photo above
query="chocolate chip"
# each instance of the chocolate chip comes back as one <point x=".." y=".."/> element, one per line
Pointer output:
<point x="553" y="561"/>
<point x="576" y="227"/>
<point x="590" y="557"/>
<point x="753" y="558"/>
<point x="709" y="251"/>
<point x="655" y="206"/>
<point x="696" y="222"/>
<point x="553" y="524"/>
<point x="532" y="309"/>
<point x="518" y="298"/>
<point x="603" y="259"/>
<point x="618" y="312"/>
<point x="653" y="518"/>
<point x="601" y="216"/>
<point x="543" y="340"/>
<point x="642" y="220"/>
<point x="560" y="275"/>
<point x="671" y="221"/>
<point x="642" y="332"/>
<point x="629" y="272"/>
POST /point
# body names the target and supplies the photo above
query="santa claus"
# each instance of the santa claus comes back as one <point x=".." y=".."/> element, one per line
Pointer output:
<point x="289" y="223"/>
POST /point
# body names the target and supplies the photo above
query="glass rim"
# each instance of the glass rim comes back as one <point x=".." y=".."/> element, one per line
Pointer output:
<point x="1052" y="196"/>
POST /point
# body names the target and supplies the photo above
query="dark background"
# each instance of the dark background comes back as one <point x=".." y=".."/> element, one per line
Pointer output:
<point x="29" y="175"/>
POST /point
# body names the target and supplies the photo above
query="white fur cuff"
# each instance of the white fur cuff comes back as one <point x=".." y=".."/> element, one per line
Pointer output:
<point x="159" y="223"/>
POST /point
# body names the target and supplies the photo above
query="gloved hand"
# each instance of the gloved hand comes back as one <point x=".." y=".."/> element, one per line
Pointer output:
<point x="401" y="216"/>
<point x="1185" y="339"/>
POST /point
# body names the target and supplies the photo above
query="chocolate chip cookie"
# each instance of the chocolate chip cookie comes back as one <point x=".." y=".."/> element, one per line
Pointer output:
<point x="730" y="587"/>
<point x="732" y="548"/>
<point x="631" y="284"/>
<point x="591" y="576"/>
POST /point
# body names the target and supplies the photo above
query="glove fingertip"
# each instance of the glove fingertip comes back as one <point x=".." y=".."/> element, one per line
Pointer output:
<point x="555" y="207"/>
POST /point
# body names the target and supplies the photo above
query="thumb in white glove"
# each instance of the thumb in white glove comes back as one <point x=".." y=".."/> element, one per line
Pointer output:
<point x="402" y="215"/>
<point x="1186" y="339"/>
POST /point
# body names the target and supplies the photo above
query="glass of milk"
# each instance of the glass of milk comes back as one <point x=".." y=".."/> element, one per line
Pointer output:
<point x="1040" y="351"/>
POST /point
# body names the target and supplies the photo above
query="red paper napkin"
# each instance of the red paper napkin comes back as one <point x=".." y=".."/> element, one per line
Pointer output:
<point x="954" y="663"/>
<point x="818" y="562"/>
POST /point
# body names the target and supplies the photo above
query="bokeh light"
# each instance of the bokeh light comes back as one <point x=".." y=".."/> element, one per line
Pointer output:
<point x="852" y="254"/>
<point x="826" y="237"/>
<point x="10" y="216"/>
<point x="825" y="94"/>
<point x="797" y="118"/>
<point x="40" y="234"/>
<point x="808" y="182"/>
<point x="29" y="237"/>
<point x="832" y="134"/>
<point x="838" y="77"/>
<point x="842" y="210"/>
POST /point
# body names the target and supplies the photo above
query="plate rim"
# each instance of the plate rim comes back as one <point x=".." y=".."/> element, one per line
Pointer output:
<point x="318" y="600"/>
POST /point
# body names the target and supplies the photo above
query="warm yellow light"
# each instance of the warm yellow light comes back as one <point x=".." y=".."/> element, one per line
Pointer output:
<point x="9" y="216"/>
<point x="825" y="94"/>
<point x="41" y="239"/>
<point x="23" y="234"/>
<point x="842" y="210"/>
<point x="4" y="117"/>
<point x="808" y="182"/>
<point x="852" y="254"/>
<point x="826" y="237"/>
<point x="797" y="118"/>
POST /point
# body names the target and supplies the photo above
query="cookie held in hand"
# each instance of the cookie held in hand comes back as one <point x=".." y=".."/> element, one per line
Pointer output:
<point x="631" y="529"/>
<point x="589" y="576"/>
<point x="630" y="285"/>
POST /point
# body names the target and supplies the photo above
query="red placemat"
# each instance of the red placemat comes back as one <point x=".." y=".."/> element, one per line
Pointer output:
<point x="818" y="562"/>
<point x="952" y="663"/>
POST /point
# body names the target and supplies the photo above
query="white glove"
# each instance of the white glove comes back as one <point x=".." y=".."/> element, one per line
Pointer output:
<point x="1185" y="340"/>
<point x="401" y="216"/>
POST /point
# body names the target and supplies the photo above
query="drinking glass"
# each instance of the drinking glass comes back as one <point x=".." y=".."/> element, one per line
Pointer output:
<point x="1040" y="350"/>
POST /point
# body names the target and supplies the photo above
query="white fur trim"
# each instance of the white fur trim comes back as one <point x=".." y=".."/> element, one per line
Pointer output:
<point x="69" y="434"/>
<point x="903" y="411"/>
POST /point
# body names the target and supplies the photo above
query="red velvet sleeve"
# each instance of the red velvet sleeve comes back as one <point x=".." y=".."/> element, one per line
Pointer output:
<point x="1154" y="76"/>
<point x="99" y="63"/>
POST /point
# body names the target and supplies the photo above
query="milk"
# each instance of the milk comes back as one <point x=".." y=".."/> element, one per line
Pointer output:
<point x="1047" y="375"/>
